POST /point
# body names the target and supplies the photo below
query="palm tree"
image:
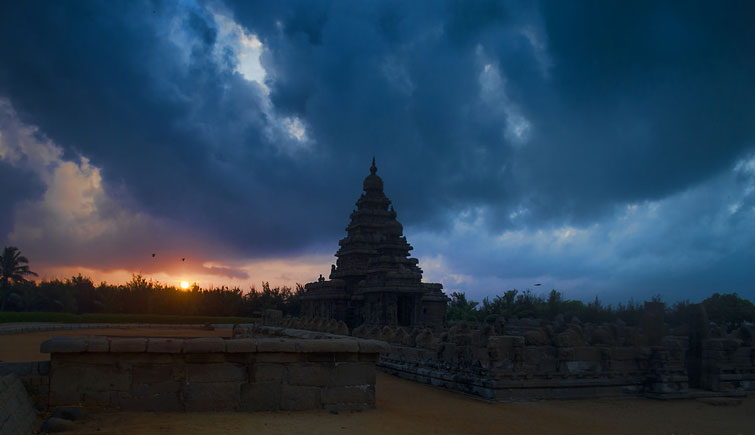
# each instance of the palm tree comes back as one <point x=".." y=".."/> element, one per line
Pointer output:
<point x="14" y="267"/>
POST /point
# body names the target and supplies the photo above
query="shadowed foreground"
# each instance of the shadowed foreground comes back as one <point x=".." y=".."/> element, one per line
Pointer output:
<point x="405" y="407"/>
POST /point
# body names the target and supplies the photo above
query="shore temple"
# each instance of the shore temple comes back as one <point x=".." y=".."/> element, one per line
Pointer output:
<point x="374" y="281"/>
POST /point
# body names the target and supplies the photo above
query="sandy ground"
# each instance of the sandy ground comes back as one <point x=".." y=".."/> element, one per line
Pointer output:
<point x="405" y="407"/>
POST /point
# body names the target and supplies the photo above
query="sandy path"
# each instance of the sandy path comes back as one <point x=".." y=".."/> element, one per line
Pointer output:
<point x="405" y="407"/>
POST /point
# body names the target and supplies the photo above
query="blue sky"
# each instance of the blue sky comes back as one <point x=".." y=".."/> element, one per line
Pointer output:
<point x="599" y="148"/>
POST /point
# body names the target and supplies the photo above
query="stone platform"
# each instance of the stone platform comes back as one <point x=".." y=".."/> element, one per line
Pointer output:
<point x="27" y="327"/>
<point x="214" y="374"/>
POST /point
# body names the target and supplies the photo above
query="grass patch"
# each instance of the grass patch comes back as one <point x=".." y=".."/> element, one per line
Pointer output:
<point x="8" y="317"/>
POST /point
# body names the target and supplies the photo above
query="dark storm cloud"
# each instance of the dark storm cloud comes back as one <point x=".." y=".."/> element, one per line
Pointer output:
<point x="225" y="271"/>
<point x="537" y="114"/>
<point x="397" y="79"/>
<point x="18" y="185"/>
<point x="625" y="102"/>
<point x="646" y="99"/>
<point x="685" y="246"/>
<point x="185" y="136"/>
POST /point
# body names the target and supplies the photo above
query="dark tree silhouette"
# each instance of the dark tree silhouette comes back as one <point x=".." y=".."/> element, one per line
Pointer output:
<point x="14" y="268"/>
<point x="459" y="308"/>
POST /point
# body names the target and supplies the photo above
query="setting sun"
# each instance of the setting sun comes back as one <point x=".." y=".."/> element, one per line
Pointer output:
<point x="184" y="285"/>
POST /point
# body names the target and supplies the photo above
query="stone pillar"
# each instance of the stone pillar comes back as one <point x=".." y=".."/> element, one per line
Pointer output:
<point x="390" y="310"/>
<point x="652" y="322"/>
<point x="699" y="331"/>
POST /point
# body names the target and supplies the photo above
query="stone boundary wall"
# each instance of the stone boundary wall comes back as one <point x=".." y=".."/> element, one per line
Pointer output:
<point x="22" y="328"/>
<point x="310" y="323"/>
<point x="254" y="330"/>
<point x="534" y="359"/>
<point x="34" y="375"/>
<point x="17" y="416"/>
<point x="214" y="374"/>
<point x="728" y="364"/>
<point x="516" y="371"/>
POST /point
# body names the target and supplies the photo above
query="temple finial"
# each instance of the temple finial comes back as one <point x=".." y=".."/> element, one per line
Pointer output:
<point x="373" y="168"/>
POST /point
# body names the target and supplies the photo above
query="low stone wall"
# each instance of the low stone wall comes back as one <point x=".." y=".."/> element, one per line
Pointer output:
<point x="515" y="371"/>
<point x="535" y="359"/>
<point x="34" y="375"/>
<point x="17" y="416"/>
<point x="23" y="328"/>
<point x="319" y="324"/>
<point x="214" y="374"/>
<point x="728" y="364"/>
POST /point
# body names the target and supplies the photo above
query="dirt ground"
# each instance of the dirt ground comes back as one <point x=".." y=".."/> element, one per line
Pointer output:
<point x="405" y="407"/>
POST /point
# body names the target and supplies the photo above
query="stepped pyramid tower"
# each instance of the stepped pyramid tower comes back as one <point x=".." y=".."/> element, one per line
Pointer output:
<point x="374" y="282"/>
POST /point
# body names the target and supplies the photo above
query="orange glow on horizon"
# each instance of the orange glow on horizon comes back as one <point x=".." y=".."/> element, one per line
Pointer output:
<point x="184" y="285"/>
<point x="278" y="272"/>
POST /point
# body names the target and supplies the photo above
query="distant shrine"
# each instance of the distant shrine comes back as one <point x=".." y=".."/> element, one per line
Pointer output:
<point x="374" y="282"/>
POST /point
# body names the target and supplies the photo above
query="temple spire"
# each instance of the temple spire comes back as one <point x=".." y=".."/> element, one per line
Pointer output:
<point x="375" y="281"/>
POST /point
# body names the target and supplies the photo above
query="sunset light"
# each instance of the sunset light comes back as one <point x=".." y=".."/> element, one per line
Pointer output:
<point x="297" y="211"/>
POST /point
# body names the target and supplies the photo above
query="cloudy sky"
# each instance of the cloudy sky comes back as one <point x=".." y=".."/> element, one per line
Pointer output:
<point x="599" y="149"/>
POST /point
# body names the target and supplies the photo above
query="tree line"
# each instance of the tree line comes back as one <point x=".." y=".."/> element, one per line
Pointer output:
<point x="727" y="309"/>
<point x="138" y="296"/>
<point x="141" y="296"/>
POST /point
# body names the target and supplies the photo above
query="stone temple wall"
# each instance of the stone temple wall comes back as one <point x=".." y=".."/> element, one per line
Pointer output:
<point x="728" y="364"/>
<point x="319" y="324"/>
<point x="214" y="374"/>
<point x="537" y="359"/>
<point x="34" y="375"/>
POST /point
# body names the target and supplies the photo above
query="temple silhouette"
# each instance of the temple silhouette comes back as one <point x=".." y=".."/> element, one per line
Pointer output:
<point x="374" y="281"/>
